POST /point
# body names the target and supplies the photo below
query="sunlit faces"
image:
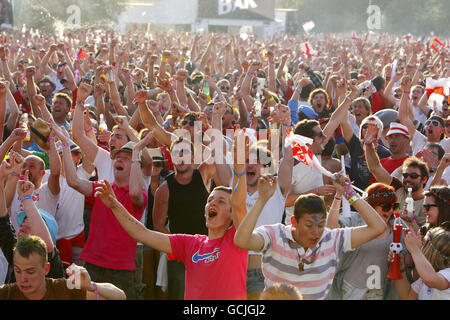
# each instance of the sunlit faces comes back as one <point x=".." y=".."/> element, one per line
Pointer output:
<point x="433" y="130"/>
<point x="416" y="94"/>
<point x="412" y="178"/>
<point x="30" y="273"/>
<point x="122" y="164"/>
<point x="431" y="211"/>
<point x="386" y="210"/>
<point x="218" y="209"/>
<point x="60" y="109"/>
<point x="182" y="157"/>
<point x="397" y="142"/>
<point x="118" y="139"/>
<point x="359" y="111"/>
<point x="319" y="102"/>
<point x="318" y="140"/>
<point x="35" y="167"/>
<point x="308" y="230"/>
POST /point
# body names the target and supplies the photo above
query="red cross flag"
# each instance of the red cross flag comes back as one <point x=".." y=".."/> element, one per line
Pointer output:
<point x="303" y="153"/>
<point x="308" y="26"/>
<point x="437" y="90"/>
<point x="308" y="50"/>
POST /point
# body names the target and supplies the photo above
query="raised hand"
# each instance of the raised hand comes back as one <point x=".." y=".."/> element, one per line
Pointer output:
<point x="84" y="90"/>
<point x="24" y="186"/>
<point x="164" y="84"/>
<point x="30" y="72"/>
<point x="266" y="186"/>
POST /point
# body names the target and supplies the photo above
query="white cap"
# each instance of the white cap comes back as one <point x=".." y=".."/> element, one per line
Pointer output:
<point x="397" y="128"/>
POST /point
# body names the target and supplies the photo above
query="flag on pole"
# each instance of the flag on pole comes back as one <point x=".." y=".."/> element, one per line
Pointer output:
<point x="437" y="90"/>
<point x="308" y="26"/>
<point x="302" y="153"/>
<point x="81" y="55"/>
<point x="437" y="40"/>
<point x="308" y="50"/>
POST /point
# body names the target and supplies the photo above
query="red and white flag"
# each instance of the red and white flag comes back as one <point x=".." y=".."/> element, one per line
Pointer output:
<point x="437" y="90"/>
<point x="306" y="48"/>
<point x="308" y="26"/>
<point x="303" y="153"/>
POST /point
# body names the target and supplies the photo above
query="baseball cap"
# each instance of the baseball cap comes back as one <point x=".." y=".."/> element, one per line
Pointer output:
<point x="308" y="112"/>
<point x="49" y="220"/>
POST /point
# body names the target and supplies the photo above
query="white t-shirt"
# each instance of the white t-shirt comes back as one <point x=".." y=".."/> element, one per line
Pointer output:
<point x="272" y="213"/>
<point x="419" y="115"/>
<point x="70" y="209"/>
<point x="427" y="293"/>
<point x="104" y="165"/>
<point x="304" y="178"/>
<point x="418" y="142"/>
<point x="43" y="198"/>
<point x="445" y="143"/>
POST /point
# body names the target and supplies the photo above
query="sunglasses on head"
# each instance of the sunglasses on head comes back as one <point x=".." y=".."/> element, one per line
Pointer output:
<point x="433" y="122"/>
<point x="386" y="207"/>
<point x="427" y="206"/>
<point x="412" y="175"/>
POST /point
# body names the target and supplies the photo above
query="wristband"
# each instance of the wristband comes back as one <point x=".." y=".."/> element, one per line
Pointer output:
<point x="338" y="198"/>
<point x="51" y="138"/>
<point x="26" y="198"/>
<point x="79" y="103"/>
<point x="270" y="100"/>
<point x="136" y="160"/>
<point x="96" y="290"/>
<point x="354" y="198"/>
<point x="163" y="59"/>
<point x="317" y="191"/>
<point x="251" y="74"/>
<point x="239" y="174"/>
<point x="18" y="175"/>
<point x="157" y="114"/>
<point x="64" y="145"/>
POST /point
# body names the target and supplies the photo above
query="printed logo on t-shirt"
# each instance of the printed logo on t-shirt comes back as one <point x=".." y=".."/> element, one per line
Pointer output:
<point x="208" y="257"/>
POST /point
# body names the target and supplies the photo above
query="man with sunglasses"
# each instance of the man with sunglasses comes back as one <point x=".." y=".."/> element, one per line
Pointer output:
<point x="415" y="176"/>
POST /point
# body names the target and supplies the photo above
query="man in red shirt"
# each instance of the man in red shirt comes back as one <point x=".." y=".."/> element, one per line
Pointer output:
<point x="398" y="139"/>
<point x="109" y="251"/>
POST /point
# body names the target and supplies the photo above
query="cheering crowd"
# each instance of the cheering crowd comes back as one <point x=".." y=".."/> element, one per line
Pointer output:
<point x="218" y="166"/>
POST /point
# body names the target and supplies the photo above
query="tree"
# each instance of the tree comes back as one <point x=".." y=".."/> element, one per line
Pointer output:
<point x="50" y="15"/>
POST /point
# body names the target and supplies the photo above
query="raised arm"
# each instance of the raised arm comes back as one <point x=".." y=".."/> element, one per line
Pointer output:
<point x="38" y="227"/>
<point x="88" y="147"/>
<point x="246" y="238"/>
<point x="405" y="106"/>
<point x="373" y="161"/>
<point x="374" y="224"/>
<point x="81" y="185"/>
<point x="55" y="165"/>
<point x="132" y="226"/>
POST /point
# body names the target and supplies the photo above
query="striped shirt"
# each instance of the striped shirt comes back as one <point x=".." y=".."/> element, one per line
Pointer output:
<point x="281" y="259"/>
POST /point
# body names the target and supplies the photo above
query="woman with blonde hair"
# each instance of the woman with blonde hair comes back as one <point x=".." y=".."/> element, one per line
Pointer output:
<point x="432" y="262"/>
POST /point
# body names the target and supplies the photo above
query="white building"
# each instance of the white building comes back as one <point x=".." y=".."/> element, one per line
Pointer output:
<point x="203" y="14"/>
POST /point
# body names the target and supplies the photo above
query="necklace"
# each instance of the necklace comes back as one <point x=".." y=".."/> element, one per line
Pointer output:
<point x="302" y="258"/>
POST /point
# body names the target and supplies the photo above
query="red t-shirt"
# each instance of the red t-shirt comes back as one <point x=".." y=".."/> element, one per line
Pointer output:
<point x="109" y="245"/>
<point x="377" y="102"/>
<point x="215" y="269"/>
<point x="390" y="165"/>
<point x="21" y="101"/>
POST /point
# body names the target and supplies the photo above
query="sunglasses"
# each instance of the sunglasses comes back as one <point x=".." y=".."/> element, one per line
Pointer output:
<point x="191" y="123"/>
<point x="427" y="206"/>
<point x="433" y="122"/>
<point x="224" y="88"/>
<point x="412" y="175"/>
<point x="447" y="125"/>
<point x="386" y="207"/>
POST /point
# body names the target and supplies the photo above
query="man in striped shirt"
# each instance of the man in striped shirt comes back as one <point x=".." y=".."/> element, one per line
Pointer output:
<point x="305" y="254"/>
